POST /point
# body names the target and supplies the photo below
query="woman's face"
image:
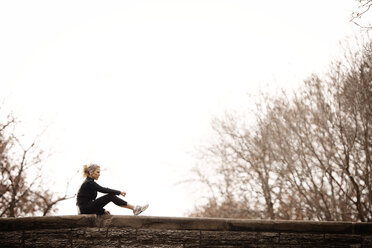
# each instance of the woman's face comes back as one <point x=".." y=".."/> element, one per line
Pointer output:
<point x="96" y="173"/>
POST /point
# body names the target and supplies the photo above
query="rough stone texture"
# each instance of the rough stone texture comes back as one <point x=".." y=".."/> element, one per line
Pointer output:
<point x="158" y="237"/>
<point x="141" y="231"/>
<point x="47" y="238"/>
<point x="234" y="239"/>
<point x="11" y="239"/>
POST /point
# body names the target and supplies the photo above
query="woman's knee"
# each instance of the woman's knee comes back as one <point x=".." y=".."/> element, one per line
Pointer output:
<point x="115" y="199"/>
<point x="111" y="196"/>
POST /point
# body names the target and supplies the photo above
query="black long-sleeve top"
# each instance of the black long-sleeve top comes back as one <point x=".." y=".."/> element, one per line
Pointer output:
<point x="88" y="192"/>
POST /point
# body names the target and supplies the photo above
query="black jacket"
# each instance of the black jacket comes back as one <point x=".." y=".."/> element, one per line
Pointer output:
<point x="88" y="192"/>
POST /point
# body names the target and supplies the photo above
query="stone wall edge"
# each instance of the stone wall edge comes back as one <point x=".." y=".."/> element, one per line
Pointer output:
<point x="182" y="223"/>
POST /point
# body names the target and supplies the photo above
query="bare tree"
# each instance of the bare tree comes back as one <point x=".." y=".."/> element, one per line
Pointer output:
<point x="243" y="161"/>
<point x="363" y="7"/>
<point x="307" y="156"/>
<point x="22" y="192"/>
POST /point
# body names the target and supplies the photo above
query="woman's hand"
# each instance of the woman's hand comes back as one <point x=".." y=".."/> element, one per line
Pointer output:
<point x="123" y="193"/>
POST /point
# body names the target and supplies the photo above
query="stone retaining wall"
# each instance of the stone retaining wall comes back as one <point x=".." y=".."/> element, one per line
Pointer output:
<point x="141" y="231"/>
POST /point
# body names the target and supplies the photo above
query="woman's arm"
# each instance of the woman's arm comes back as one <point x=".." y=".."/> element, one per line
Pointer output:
<point x="101" y="189"/>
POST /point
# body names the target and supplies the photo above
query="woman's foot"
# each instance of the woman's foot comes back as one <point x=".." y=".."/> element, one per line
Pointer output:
<point x="139" y="209"/>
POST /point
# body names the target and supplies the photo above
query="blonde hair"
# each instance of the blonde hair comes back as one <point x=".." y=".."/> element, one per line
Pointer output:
<point x="88" y="168"/>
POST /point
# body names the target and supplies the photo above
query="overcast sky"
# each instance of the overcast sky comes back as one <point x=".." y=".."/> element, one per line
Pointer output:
<point x="133" y="85"/>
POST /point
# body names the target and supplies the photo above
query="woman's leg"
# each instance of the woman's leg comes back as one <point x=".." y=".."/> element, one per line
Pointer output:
<point x="129" y="206"/>
<point x="96" y="207"/>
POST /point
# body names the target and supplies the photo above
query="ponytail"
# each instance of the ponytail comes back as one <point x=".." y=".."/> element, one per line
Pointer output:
<point x="88" y="168"/>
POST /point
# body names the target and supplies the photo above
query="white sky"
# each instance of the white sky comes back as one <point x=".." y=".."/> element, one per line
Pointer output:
<point x="133" y="85"/>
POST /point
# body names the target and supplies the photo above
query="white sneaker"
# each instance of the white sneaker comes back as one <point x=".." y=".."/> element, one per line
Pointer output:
<point x="139" y="209"/>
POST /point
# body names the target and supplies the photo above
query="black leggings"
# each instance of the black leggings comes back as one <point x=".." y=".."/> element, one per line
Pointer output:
<point x="96" y="206"/>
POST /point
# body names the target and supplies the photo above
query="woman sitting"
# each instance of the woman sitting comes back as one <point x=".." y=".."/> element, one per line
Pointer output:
<point x="86" y="197"/>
